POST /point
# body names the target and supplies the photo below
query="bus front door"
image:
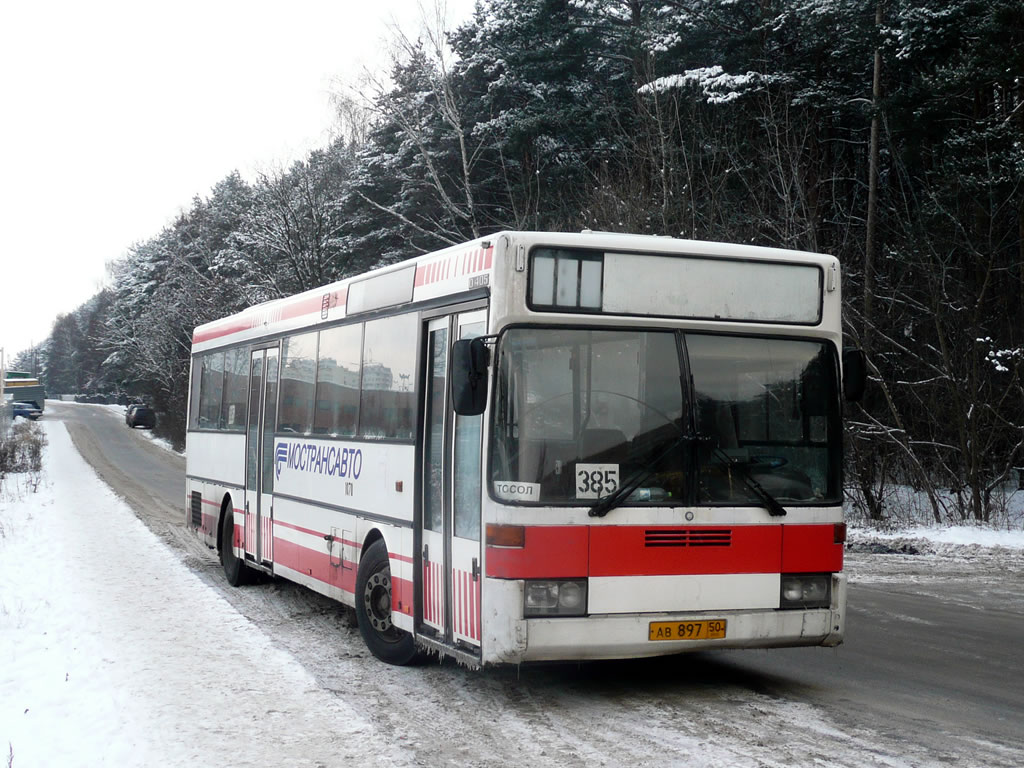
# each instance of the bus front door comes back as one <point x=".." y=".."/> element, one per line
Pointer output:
<point x="259" y="456"/>
<point x="449" y="575"/>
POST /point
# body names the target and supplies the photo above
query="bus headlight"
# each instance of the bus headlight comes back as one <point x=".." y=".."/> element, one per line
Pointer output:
<point x="555" y="597"/>
<point x="806" y="590"/>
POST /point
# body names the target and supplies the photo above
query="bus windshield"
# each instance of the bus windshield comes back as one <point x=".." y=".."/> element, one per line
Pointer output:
<point x="581" y="412"/>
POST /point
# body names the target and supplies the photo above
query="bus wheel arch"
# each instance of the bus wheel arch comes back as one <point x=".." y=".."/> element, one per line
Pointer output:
<point x="234" y="567"/>
<point x="373" y="606"/>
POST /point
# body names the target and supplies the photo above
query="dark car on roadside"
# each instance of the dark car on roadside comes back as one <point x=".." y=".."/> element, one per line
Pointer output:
<point x="27" y="411"/>
<point x="139" y="415"/>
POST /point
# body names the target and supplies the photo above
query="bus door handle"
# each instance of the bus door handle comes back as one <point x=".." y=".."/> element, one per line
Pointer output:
<point x="476" y="570"/>
<point x="426" y="553"/>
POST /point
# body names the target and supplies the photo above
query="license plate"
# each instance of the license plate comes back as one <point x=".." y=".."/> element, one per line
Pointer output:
<point x="713" y="629"/>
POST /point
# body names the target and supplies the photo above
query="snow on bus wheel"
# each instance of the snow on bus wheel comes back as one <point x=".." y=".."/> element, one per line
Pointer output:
<point x="373" y="609"/>
<point x="234" y="567"/>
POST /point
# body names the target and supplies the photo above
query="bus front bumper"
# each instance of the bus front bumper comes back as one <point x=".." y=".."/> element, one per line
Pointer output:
<point x="616" y="636"/>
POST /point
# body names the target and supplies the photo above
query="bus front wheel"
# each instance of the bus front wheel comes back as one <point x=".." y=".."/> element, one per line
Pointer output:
<point x="373" y="608"/>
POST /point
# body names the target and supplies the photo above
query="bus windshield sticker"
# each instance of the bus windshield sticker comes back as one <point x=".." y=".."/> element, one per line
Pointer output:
<point x="594" y="481"/>
<point x="516" y="491"/>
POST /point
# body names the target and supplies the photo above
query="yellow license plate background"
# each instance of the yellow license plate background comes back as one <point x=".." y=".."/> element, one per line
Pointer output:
<point x="713" y="629"/>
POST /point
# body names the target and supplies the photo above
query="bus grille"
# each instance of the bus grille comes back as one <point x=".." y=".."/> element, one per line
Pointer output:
<point x="688" y="537"/>
<point x="197" y="509"/>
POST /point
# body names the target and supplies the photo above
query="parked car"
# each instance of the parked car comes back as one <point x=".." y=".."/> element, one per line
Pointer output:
<point x="27" y="411"/>
<point x="140" y="416"/>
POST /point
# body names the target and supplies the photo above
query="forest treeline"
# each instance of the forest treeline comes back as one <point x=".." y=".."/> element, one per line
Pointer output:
<point x="889" y="133"/>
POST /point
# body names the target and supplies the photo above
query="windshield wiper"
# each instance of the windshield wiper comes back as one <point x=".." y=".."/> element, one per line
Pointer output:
<point x="613" y="500"/>
<point x="775" y="509"/>
<point x="616" y="498"/>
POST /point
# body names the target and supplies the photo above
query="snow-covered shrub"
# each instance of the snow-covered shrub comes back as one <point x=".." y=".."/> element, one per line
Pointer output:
<point x="21" y="452"/>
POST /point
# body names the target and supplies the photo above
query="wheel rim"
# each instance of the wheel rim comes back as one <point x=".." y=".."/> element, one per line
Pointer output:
<point x="377" y="602"/>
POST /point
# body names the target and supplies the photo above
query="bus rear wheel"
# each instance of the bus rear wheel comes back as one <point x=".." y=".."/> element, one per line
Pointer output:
<point x="234" y="567"/>
<point x="373" y="609"/>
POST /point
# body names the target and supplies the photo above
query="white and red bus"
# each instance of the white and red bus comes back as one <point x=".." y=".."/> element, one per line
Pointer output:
<point x="539" y="446"/>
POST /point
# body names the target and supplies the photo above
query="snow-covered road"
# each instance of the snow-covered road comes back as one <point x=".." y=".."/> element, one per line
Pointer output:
<point x="124" y="648"/>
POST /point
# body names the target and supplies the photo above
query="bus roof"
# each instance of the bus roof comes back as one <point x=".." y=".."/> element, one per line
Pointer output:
<point x="450" y="271"/>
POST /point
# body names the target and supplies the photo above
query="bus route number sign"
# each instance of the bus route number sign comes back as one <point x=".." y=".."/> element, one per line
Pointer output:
<point x="595" y="481"/>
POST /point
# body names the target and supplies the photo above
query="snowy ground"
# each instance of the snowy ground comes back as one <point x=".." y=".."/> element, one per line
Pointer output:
<point x="115" y="654"/>
<point x="119" y="651"/>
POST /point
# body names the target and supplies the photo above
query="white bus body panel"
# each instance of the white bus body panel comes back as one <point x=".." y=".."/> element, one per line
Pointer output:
<point x="217" y="456"/>
<point x="655" y="594"/>
<point x="376" y="478"/>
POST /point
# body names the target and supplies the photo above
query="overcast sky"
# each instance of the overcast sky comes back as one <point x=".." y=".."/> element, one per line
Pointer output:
<point x="114" y="115"/>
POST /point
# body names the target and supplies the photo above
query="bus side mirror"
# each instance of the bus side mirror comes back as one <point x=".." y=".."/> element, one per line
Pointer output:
<point x="469" y="376"/>
<point x="855" y="374"/>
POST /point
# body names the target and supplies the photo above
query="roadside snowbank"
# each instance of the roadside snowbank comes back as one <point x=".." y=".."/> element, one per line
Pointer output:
<point x="945" y="547"/>
<point x="953" y="536"/>
<point x="115" y="654"/>
<point x="926" y="559"/>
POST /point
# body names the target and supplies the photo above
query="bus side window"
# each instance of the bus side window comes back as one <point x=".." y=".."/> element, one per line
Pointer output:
<point x="198" y="365"/>
<point x="236" y="376"/>
<point x="387" y="404"/>
<point x="211" y="390"/>
<point x="297" y="382"/>
<point x="337" y="381"/>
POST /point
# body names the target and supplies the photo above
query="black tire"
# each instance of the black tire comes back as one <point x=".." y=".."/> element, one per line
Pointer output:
<point x="234" y="567"/>
<point x="373" y="609"/>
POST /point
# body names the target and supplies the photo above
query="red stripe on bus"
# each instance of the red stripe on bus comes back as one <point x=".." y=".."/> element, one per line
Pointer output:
<point x="435" y="588"/>
<point x="464" y="578"/>
<point x="550" y="552"/>
<point x="320" y="566"/>
<point x="320" y="534"/>
<point x="439" y="615"/>
<point x="463" y="627"/>
<point x="474" y="615"/>
<point x="457" y="603"/>
<point x="811" y="549"/>
<point x="428" y="604"/>
<point x="426" y="589"/>
<point x="299" y="528"/>
<point x="432" y="589"/>
<point x="296" y="308"/>
<point x="235" y="326"/>
<point x="690" y="550"/>
<point x="466" y="263"/>
<point x="467" y="603"/>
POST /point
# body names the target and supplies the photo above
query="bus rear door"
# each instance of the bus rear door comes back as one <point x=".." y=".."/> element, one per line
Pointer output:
<point x="259" y="456"/>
